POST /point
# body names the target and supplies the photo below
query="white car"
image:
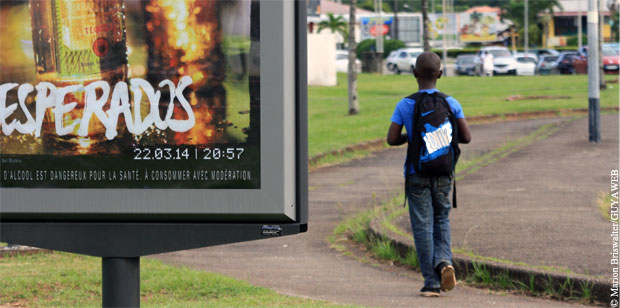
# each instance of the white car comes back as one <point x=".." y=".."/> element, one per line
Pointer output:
<point x="526" y="64"/>
<point x="342" y="62"/>
<point x="503" y="61"/>
<point x="405" y="61"/>
<point x="390" y="61"/>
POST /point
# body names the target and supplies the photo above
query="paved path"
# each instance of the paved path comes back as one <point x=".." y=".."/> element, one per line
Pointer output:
<point x="539" y="205"/>
<point x="305" y="265"/>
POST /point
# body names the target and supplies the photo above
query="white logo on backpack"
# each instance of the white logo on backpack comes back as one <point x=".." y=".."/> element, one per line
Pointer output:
<point x="439" y="138"/>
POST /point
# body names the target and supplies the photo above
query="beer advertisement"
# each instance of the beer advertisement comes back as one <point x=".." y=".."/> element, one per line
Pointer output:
<point x="130" y="94"/>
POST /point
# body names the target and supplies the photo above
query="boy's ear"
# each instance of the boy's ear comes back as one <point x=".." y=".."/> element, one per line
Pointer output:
<point x="440" y="73"/>
<point x="415" y="73"/>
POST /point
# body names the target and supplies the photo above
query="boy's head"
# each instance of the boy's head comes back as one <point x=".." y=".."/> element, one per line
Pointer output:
<point x="427" y="67"/>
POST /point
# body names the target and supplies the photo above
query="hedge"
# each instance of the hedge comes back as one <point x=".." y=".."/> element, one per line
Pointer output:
<point x="369" y="45"/>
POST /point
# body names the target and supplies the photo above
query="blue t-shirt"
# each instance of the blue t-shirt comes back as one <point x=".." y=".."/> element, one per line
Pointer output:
<point x="403" y="115"/>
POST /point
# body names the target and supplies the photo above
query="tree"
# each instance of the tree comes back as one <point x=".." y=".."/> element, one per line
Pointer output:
<point x="514" y="10"/>
<point x="425" y="25"/>
<point x="354" y="107"/>
<point x="614" y="7"/>
<point x="336" y="24"/>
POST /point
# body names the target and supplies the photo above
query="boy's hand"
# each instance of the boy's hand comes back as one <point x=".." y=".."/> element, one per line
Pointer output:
<point x="464" y="134"/>
<point x="394" y="136"/>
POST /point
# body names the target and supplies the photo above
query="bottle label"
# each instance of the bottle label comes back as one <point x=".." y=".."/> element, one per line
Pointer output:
<point x="89" y="36"/>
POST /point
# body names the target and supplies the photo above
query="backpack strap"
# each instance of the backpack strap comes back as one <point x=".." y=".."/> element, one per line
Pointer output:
<point x="453" y="190"/>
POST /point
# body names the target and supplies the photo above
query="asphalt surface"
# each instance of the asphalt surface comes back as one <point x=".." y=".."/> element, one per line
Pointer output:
<point x="305" y="265"/>
<point x="539" y="205"/>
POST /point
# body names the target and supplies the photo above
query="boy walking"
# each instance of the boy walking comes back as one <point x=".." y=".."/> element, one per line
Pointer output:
<point x="435" y="124"/>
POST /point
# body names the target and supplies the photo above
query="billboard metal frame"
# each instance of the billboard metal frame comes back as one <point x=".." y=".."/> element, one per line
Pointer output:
<point x="126" y="239"/>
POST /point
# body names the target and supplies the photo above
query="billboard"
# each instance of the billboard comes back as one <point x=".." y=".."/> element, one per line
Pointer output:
<point x="149" y="109"/>
<point x="371" y="26"/>
<point x="479" y="27"/>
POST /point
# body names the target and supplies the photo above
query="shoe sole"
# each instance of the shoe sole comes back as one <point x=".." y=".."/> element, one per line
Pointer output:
<point x="448" y="280"/>
<point x="429" y="294"/>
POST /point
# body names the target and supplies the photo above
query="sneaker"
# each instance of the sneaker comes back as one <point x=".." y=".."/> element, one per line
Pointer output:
<point x="429" y="292"/>
<point x="448" y="280"/>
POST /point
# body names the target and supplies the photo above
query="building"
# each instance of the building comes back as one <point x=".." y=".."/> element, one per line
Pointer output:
<point x="562" y="28"/>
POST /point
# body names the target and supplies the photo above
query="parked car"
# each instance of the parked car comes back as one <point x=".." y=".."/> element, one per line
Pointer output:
<point x="390" y="61"/>
<point x="342" y="62"/>
<point x="548" y="65"/>
<point x="565" y="62"/>
<point x="611" y="60"/>
<point x="545" y="52"/>
<point x="526" y="64"/>
<point x="405" y="61"/>
<point x="503" y="61"/>
<point x="614" y="46"/>
<point x="467" y="65"/>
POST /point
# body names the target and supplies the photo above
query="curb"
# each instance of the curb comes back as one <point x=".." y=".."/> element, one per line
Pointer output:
<point x="542" y="280"/>
<point x="515" y="116"/>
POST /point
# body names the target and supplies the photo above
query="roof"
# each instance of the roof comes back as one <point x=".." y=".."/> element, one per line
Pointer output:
<point x="335" y="8"/>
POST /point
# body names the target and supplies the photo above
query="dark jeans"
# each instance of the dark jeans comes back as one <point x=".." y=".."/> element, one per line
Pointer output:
<point x="429" y="206"/>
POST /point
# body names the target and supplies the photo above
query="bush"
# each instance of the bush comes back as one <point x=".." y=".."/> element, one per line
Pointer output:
<point x="574" y="40"/>
<point x="369" y="45"/>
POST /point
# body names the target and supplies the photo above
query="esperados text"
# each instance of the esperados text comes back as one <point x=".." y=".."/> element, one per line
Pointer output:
<point x="49" y="96"/>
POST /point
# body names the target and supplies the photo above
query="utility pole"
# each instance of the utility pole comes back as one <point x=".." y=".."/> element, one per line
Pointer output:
<point x="594" y="116"/>
<point x="579" y="27"/>
<point x="380" y="29"/>
<point x="395" y="19"/>
<point x="601" y="22"/>
<point x="527" y="28"/>
<point x="443" y="37"/>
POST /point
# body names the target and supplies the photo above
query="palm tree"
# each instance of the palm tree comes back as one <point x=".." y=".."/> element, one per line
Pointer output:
<point x="425" y="25"/>
<point x="335" y="23"/>
<point x="354" y="107"/>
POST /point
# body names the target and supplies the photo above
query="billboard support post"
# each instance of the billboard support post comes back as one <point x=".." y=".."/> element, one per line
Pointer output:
<point x="120" y="282"/>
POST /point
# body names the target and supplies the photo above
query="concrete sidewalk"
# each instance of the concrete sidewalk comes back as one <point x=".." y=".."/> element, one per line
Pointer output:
<point x="539" y="204"/>
<point x="305" y="265"/>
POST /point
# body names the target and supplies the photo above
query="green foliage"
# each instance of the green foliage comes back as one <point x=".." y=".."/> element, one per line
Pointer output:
<point x="481" y="274"/>
<point x="336" y="24"/>
<point x="369" y="5"/>
<point x="70" y="280"/>
<point x="538" y="11"/>
<point x="369" y="45"/>
<point x="384" y="249"/>
<point x="411" y="258"/>
<point x="574" y="41"/>
<point x="586" y="290"/>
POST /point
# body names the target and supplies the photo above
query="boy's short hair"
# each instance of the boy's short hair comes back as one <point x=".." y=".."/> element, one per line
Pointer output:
<point x="427" y="65"/>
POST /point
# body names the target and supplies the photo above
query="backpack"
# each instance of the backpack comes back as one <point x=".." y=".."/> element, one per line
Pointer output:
<point x="434" y="147"/>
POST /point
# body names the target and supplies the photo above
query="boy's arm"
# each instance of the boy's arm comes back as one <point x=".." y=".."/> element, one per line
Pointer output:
<point x="394" y="136"/>
<point x="464" y="134"/>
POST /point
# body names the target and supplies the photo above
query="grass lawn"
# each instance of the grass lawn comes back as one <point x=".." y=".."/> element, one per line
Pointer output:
<point x="330" y="128"/>
<point x="70" y="280"/>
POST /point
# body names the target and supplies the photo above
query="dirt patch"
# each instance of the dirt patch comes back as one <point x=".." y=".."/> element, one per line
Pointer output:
<point x="536" y="97"/>
<point x="10" y="251"/>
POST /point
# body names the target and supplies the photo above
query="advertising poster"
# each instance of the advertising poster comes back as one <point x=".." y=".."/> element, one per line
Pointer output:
<point x="441" y="26"/>
<point x="370" y="27"/>
<point x="130" y="94"/>
<point x="479" y="27"/>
